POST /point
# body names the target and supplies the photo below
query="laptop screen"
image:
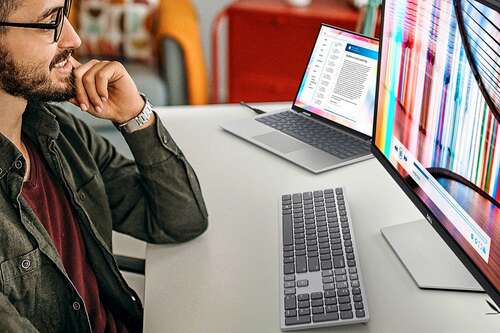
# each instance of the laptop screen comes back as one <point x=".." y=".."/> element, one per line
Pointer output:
<point x="339" y="82"/>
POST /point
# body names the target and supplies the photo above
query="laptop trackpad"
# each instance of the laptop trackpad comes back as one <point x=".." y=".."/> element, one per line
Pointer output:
<point x="280" y="142"/>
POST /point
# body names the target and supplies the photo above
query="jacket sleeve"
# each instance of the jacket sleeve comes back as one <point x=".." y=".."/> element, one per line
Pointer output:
<point x="11" y="321"/>
<point x="158" y="197"/>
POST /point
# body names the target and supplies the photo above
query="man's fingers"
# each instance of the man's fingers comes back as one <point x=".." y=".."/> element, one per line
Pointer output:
<point x="81" y="93"/>
<point x="103" y="77"/>
<point x="89" y="82"/>
<point x="74" y="62"/>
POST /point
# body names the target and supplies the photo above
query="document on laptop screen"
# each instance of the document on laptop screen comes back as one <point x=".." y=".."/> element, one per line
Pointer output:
<point x="339" y="82"/>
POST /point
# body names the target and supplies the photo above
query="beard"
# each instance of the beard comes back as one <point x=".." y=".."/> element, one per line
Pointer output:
<point x="32" y="82"/>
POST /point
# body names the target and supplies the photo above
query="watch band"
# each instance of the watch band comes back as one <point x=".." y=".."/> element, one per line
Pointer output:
<point x="142" y="118"/>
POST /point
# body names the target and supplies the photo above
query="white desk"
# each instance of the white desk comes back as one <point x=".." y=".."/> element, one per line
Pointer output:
<point x="227" y="280"/>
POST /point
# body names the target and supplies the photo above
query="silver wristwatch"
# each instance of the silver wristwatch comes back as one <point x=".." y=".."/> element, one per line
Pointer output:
<point x="142" y="118"/>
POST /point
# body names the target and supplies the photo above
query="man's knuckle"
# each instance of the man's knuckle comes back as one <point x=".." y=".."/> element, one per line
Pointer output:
<point x="87" y="79"/>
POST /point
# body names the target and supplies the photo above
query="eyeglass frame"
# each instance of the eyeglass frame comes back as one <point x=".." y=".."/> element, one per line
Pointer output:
<point x="57" y="25"/>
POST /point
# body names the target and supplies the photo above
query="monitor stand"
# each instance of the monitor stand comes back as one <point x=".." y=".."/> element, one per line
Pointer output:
<point x="431" y="264"/>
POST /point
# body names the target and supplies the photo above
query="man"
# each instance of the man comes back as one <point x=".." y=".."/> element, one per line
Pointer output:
<point x="63" y="188"/>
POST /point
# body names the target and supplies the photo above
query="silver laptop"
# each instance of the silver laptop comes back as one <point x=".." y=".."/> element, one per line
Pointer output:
<point x="330" y="123"/>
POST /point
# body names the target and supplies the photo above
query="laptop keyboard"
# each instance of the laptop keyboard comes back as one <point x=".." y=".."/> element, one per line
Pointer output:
<point x="326" y="138"/>
<point x="320" y="280"/>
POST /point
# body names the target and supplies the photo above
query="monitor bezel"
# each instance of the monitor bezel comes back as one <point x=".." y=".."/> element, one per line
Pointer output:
<point x="312" y="114"/>
<point x="430" y="217"/>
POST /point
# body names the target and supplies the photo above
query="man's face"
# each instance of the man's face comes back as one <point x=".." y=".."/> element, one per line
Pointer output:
<point x="32" y="66"/>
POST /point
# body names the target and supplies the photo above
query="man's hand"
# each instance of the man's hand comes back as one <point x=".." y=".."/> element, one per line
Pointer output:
<point x="105" y="90"/>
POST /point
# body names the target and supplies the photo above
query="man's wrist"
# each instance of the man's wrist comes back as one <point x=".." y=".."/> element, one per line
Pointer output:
<point x="143" y="119"/>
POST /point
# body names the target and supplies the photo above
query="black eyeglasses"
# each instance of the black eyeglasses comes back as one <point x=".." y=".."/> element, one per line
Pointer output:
<point x="56" y="25"/>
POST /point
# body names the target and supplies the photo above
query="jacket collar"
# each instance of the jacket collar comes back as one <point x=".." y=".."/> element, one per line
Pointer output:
<point x="38" y="121"/>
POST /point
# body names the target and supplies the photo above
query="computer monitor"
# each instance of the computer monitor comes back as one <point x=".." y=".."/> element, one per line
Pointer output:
<point x="437" y="129"/>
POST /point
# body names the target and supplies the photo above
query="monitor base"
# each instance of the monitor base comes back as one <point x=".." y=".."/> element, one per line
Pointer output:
<point x="431" y="264"/>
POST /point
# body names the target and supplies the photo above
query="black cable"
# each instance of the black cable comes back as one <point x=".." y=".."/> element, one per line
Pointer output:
<point x="495" y="309"/>
<point x="258" y="111"/>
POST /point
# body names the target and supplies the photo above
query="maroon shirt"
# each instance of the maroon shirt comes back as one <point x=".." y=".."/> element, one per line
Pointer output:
<point x="53" y="209"/>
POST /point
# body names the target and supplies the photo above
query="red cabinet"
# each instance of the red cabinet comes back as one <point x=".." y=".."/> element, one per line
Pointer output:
<point x="269" y="43"/>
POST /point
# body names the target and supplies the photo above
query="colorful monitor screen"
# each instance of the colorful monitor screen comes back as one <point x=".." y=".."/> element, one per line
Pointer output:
<point x="339" y="82"/>
<point x="436" y="127"/>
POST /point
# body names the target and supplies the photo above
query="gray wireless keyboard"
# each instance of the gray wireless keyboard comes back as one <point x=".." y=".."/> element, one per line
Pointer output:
<point x="320" y="278"/>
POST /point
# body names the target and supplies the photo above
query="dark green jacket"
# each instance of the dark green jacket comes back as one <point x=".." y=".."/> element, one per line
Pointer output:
<point x="156" y="199"/>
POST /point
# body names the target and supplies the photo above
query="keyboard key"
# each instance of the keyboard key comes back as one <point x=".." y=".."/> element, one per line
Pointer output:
<point x="298" y="321"/>
<point x="317" y="295"/>
<point x="326" y="264"/>
<point x="307" y="195"/>
<point x="313" y="264"/>
<point x="331" y="308"/>
<point x="287" y="230"/>
<point x="330" y="293"/>
<point x="329" y="286"/>
<point x="358" y="305"/>
<point x="324" y="251"/>
<point x="290" y="277"/>
<point x="297" y="198"/>
<point x="325" y="257"/>
<point x="344" y="299"/>
<point x="304" y="312"/>
<point x="343" y="292"/>
<point x="300" y="247"/>
<point x="304" y="304"/>
<point x="290" y="291"/>
<point x="300" y="252"/>
<point x="289" y="284"/>
<point x="356" y="291"/>
<point x="345" y="307"/>
<point x="331" y="301"/>
<point x="290" y="302"/>
<point x="312" y="254"/>
<point x="342" y="285"/>
<point x="303" y="297"/>
<point x="340" y="278"/>
<point x="318" y="310"/>
<point x="346" y="315"/>
<point x="360" y="313"/>
<point x="302" y="283"/>
<point x="357" y="298"/>
<point x="326" y="273"/>
<point x="338" y="262"/>
<point x="332" y="316"/>
<point x="328" y="279"/>
<point x="289" y="268"/>
<point x="291" y="313"/>
<point x="317" y="302"/>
